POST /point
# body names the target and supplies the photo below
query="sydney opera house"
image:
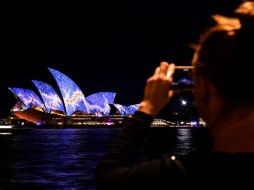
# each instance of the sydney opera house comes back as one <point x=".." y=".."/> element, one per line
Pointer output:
<point x="69" y="106"/>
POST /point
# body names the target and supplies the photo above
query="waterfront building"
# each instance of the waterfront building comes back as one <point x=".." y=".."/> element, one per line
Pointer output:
<point x="70" y="107"/>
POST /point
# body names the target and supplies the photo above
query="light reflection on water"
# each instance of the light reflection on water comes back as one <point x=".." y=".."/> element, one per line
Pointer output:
<point x="5" y="133"/>
<point x="66" y="158"/>
<point x="183" y="143"/>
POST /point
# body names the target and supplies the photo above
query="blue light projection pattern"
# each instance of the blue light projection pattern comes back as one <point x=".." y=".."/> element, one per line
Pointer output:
<point x="120" y="108"/>
<point x="99" y="102"/>
<point x="28" y="97"/>
<point x="126" y="110"/>
<point x="185" y="81"/>
<point x="132" y="108"/>
<point x="49" y="96"/>
<point x="73" y="97"/>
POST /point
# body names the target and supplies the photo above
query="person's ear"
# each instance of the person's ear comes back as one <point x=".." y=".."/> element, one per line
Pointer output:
<point x="207" y="89"/>
<point x="209" y="100"/>
<point x="203" y="97"/>
<point x="203" y="85"/>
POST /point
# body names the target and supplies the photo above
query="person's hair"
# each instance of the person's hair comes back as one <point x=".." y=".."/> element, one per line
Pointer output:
<point x="225" y="55"/>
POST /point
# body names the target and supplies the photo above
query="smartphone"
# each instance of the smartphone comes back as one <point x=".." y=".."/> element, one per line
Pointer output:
<point x="183" y="78"/>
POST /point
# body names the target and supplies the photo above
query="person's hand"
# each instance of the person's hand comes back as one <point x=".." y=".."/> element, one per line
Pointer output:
<point x="157" y="91"/>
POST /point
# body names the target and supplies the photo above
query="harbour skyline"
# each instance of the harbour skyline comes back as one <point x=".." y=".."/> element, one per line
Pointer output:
<point x="102" y="47"/>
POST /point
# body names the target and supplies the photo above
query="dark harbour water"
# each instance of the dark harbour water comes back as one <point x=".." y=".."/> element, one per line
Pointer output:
<point x="42" y="159"/>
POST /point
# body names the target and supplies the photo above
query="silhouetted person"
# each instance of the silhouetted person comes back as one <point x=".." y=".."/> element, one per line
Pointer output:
<point x="223" y="90"/>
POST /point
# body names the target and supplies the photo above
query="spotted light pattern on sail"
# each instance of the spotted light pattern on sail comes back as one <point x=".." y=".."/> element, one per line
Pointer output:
<point x="99" y="102"/>
<point x="50" y="98"/>
<point x="132" y="108"/>
<point x="126" y="110"/>
<point x="28" y="97"/>
<point x="73" y="97"/>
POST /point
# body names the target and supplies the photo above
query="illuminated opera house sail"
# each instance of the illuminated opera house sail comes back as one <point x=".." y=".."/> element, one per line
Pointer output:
<point x="69" y="103"/>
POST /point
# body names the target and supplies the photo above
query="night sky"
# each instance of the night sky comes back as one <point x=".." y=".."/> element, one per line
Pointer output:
<point x="101" y="46"/>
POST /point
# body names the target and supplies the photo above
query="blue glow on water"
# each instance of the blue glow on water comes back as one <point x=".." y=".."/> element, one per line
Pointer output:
<point x="44" y="159"/>
<point x="49" y="96"/>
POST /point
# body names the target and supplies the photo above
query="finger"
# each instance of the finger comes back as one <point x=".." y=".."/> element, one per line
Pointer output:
<point x="169" y="73"/>
<point x="171" y="69"/>
<point x="157" y="71"/>
<point x="163" y="68"/>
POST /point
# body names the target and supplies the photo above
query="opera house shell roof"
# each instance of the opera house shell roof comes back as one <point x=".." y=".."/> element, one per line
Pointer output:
<point x="70" y="100"/>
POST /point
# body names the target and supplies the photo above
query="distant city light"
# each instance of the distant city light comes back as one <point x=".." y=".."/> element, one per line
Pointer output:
<point x="5" y="133"/>
<point x="5" y="126"/>
<point x="193" y="123"/>
<point x="109" y="123"/>
<point x="183" y="102"/>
